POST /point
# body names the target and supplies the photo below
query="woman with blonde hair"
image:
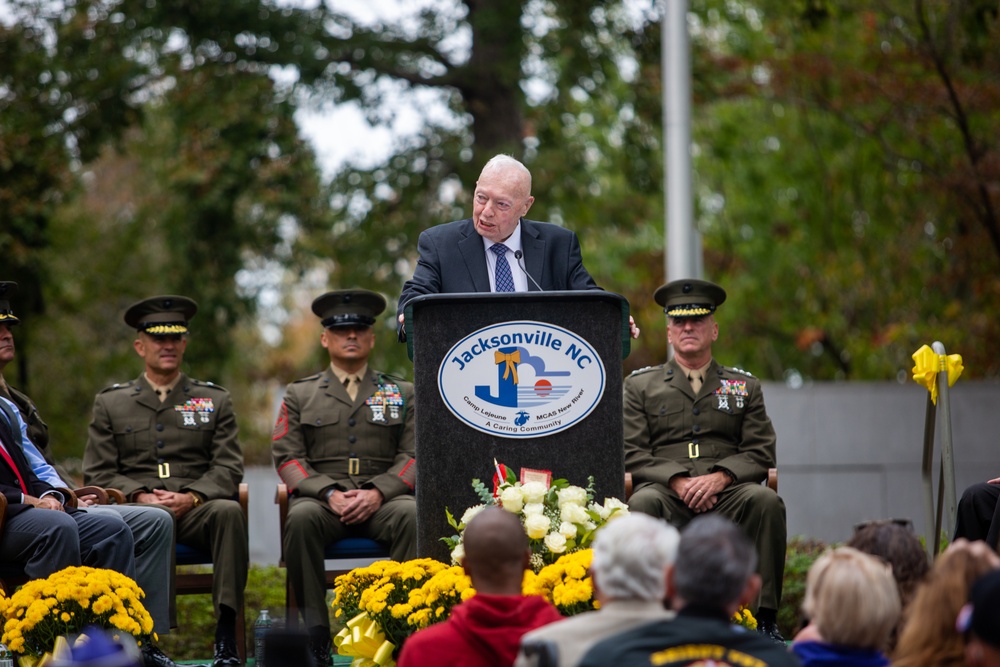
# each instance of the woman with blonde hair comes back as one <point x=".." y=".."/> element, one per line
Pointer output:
<point x="852" y="604"/>
<point x="929" y="637"/>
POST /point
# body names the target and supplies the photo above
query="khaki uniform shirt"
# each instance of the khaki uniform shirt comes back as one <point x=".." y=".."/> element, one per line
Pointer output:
<point x="671" y="431"/>
<point x="189" y="442"/>
<point x="324" y="440"/>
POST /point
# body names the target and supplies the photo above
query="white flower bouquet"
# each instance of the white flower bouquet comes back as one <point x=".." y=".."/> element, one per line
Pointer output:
<point x="559" y="518"/>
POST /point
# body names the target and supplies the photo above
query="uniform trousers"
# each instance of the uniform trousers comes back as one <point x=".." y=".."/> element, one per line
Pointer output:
<point x="46" y="541"/>
<point x="978" y="514"/>
<point x="311" y="525"/>
<point x="756" y="509"/>
<point x="153" y="532"/>
<point x="219" y="527"/>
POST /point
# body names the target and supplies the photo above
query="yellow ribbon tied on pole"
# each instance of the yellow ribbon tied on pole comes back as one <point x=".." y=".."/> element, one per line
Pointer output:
<point x="364" y="641"/>
<point x="511" y="360"/>
<point x="929" y="363"/>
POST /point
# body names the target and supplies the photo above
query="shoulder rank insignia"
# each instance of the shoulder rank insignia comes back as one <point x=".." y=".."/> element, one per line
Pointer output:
<point x="207" y="384"/>
<point x="308" y="379"/>
<point x="645" y="369"/>
<point x="118" y="385"/>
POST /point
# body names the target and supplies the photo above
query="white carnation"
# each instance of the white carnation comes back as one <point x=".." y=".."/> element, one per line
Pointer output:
<point x="536" y="525"/>
<point x="572" y="495"/>
<point x="555" y="542"/>
<point x="573" y="513"/>
<point x="567" y="530"/>
<point x="534" y="492"/>
<point x="601" y="510"/>
<point x="457" y="554"/>
<point x="614" y="505"/>
<point x="533" y="508"/>
<point x="512" y="499"/>
<point x="471" y="513"/>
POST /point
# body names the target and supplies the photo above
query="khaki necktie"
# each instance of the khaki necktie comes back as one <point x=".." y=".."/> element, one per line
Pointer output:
<point x="695" y="380"/>
<point x="351" y="385"/>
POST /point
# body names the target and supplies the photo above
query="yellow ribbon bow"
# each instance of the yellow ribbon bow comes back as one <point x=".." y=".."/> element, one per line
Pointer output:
<point x="511" y="359"/>
<point x="364" y="641"/>
<point x="929" y="364"/>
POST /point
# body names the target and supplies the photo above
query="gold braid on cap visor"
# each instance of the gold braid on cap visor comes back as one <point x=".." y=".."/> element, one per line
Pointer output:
<point x="689" y="312"/>
<point x="166" y="329"/>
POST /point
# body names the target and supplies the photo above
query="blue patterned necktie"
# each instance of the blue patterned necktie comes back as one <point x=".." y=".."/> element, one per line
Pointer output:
<point x="504" y="279"/>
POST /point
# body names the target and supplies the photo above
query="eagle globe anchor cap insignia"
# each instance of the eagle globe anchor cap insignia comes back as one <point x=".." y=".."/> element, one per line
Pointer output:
<point x="543" y="379"/>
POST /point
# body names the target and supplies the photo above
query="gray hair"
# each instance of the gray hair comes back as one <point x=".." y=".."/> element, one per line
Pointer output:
<point x="631" y="555"/>
<point x="714" y="562"/>
<point x="503" y="162"/>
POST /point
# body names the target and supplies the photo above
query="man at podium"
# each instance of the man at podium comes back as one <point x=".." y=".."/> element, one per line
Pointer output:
<point x="498" y="249"/>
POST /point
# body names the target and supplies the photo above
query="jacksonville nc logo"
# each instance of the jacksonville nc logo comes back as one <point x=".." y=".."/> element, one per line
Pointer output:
<point x="521" y="379"/>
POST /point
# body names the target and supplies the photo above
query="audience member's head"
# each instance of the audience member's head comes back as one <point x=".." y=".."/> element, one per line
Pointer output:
<point x="851" y="599"/>
<point x="980" y="621"/>
<point x="898" y="546"/>
<point x="715" y="568"/>
<point x="929" y="636"/>
<point x="496" y="552"/>
<point x="631" y="556"/>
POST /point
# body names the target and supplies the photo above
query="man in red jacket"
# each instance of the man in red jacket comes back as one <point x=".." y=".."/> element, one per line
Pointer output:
<point x="486" y="629"/>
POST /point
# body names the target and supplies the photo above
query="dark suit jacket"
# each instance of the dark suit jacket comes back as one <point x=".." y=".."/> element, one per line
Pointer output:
<point x="9" y="485"/>
<point x="452" y="260"/>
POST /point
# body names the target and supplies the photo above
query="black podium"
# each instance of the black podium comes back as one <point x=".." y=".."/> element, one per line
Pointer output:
<point x="531" y="379"/>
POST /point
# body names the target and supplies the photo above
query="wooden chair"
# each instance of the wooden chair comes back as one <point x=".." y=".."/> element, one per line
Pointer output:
<point x="189" y="582"/>
<point x="341" y="552"/>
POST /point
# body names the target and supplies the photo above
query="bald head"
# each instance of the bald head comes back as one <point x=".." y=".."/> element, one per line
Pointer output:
<point x="507" y="167"/>
<point x="496" y="552"/>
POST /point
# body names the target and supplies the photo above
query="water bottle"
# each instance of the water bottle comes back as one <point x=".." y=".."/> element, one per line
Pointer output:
<point x="6" y="657"/>
<point x="260" y="628"/>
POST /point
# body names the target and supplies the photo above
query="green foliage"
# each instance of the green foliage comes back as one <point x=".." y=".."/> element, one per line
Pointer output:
<point x="143" y="152"/>
<point x="846" y="175"/>
<point x="799" y="557"/>
<point x="194" y="637"/>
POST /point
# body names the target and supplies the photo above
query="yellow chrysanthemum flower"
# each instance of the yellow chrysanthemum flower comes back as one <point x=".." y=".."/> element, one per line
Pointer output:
<point x="66" y="602"/>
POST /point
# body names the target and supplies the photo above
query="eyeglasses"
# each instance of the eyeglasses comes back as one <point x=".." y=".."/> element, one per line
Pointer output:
<point x="904" y="523"/>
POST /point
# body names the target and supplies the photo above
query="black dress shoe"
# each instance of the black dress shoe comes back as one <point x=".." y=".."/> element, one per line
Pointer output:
<point x="152" y="656"/>
<point x="771" y="631"/>
<point x="319" y="647"/>
<point x="226" y="654"/>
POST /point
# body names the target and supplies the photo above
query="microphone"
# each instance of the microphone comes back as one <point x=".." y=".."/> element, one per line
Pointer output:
<point x="519" y="256"/>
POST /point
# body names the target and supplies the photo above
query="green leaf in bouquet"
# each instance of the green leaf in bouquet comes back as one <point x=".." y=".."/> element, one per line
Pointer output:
<point x="451" y="519"/>
<point x="484" y="493"/>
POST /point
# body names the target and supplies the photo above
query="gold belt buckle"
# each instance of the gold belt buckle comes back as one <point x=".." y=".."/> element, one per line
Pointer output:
<point x="353" y="466"/>
<point x="164" y="470"/>
<point x="693" y="450"/>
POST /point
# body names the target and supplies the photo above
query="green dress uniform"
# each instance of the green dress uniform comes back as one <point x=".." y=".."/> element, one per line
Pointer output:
<point x="187" y="443"/>
<point x="324" y="441"/>
<point x="669" y="431"/>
